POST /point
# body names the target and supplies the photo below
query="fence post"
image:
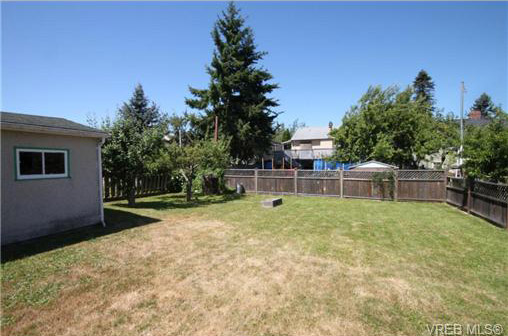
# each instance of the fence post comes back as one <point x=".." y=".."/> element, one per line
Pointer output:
<point x="468" y="182"/>
<point x="256" y="180"/>
<point x="396" y="184"/>
<point x="445" y="180"/>
<point x="506" y="227"/>
<point x="506" y="222"/>
<point x="341" y="184"/>
<point x="295" y="181"/>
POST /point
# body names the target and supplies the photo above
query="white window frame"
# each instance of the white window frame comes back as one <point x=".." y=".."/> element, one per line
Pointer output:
<point x="19" y="176"/>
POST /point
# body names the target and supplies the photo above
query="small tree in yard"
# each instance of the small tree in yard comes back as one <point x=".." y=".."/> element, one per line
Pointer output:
<point x="201" y="158"/>
<point x="135" y="141"/>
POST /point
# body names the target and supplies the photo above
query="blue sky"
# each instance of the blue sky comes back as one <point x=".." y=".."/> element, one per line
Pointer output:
<point x="74" y="59"/>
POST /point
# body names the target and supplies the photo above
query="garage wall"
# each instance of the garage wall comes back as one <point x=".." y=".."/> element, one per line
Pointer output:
<point x="32" y="208"/>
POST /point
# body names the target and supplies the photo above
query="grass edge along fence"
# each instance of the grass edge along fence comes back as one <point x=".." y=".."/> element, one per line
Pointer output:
<point x="408" y="185"/>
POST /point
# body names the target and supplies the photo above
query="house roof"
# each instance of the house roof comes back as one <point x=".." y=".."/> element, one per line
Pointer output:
<point x="373" y="164"/>
<point x="42" y="124"/>
<point x="476" y="122"/>
<point x="311" y="133"/>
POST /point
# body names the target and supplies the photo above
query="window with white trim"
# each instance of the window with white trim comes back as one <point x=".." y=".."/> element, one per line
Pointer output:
<point x="41" y="163"/>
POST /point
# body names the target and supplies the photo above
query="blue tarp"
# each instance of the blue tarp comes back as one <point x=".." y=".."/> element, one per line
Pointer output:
<point x="321" y="164"/>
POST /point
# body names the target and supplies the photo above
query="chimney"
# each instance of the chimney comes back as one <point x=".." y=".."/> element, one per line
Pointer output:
<point x="330" y="125"/>
<point x="475" y="114"/>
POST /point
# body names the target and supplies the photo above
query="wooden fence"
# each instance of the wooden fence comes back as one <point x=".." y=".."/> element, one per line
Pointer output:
<point x="418" y="185"/>
<point x="145" y="186"/>
<point x="485" y="199"/>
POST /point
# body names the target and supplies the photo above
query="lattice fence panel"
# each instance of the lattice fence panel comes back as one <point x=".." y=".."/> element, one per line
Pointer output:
<point x="499" y="191"/>
<point x="276" y="173"/>
<point x="457" y="182"/>
<point x="364" y="175"/>
<point x="435" y="175"/>
<point x="319" y="173"/>
<point x="239" y="172"/>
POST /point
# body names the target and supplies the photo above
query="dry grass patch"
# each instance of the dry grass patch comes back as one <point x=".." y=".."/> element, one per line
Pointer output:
<point x="236" y="269"/>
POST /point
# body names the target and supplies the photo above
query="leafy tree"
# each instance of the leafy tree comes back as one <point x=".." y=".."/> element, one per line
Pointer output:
<point x="178" y="128"/>
<point x="386" y="125"/>
<point x="485" y="105"/>
<point x="238" y="90"/>
<point x="284" y="133"/>
<point x="133" y="144"/>
<point x="202" y="157"/>
<point x="445" y="138"/>
<point x="486" y="149"/>
<point x="424" y="88"/>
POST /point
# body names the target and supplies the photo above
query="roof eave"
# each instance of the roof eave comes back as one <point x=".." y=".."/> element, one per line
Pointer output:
<point x="50" y="130"/>
<point x="300" y="139"/>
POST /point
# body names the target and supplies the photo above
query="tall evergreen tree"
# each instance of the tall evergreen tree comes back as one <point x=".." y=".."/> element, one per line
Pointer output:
<point x="140" y="109"/>
<point x="423" y="87"/>
<point x="485" y="105"/>
<point x="238" y="90"/>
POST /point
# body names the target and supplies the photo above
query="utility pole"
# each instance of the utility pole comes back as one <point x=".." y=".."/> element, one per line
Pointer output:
<point x="462" y="91"/>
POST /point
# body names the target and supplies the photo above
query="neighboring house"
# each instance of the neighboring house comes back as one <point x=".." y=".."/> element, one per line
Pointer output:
<point x="51" y="176"/>
<point x="476" y="119"/>
<point x="274" y="157"/>
<point x="372" y="166"/>
<point x="309" y="144"/>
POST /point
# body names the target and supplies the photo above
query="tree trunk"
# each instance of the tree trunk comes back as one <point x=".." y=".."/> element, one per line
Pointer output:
<point x="188" y="190"/>
<point x="131" y="197"/>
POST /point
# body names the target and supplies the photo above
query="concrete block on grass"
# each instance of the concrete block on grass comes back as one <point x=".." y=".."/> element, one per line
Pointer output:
<point x="271" y="203"/>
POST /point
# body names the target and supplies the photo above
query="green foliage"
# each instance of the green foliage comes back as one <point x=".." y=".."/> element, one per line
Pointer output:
<point x="386" y="125"/>
<point x="485" y="105"/>
<point x="383" y="178"/>
<point x="134" y="143"/>
<point x="445" y="138"/>
<point x="140" y="110"/>
<point x="202" y="157"/>
<point x="284" y="133"/>
<point x="424" y="88"/>
<point x="486" y="149"/>
<point x="238" y="91"/>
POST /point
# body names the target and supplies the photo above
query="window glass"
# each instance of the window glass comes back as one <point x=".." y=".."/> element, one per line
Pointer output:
<point x="30" y="163"/>
<point x="54" y="163"/>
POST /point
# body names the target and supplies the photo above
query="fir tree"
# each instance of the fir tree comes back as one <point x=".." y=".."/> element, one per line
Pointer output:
<point x="485" y="105"/>
<point x="238" y="90"/>
<point x="140" y="109"/>
<point x="423" y="87"/>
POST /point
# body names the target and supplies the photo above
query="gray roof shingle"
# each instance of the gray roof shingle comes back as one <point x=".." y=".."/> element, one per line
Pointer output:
<point x="311" y="133"/>
<point x="9" y="118"/>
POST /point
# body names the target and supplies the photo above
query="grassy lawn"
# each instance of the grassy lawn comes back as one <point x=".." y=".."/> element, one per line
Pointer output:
<point x="226" y="266"/>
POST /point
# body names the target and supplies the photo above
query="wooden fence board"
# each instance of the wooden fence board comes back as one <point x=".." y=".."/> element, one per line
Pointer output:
<point x="144" y="186"/>
<point x="488" y="200"/>
<point x="487" y="206"/>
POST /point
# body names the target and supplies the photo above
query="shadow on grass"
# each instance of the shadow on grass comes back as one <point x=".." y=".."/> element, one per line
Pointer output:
<point x="117" y="220"/>
<point x="177" y="201"/>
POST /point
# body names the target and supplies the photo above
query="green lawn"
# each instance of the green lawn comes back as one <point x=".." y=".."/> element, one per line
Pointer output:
<point x="226" y="266"/>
